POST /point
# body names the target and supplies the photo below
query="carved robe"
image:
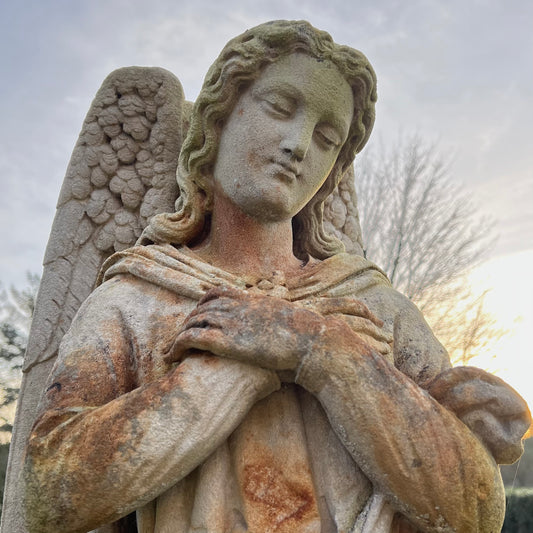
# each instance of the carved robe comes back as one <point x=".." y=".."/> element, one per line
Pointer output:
<point x="226" y="447"/>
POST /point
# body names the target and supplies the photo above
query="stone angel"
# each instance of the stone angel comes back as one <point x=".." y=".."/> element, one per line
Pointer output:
<point x="240" y="365"/>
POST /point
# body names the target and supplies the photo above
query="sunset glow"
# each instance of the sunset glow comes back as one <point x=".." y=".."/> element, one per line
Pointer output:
<point x="510" y="300"/>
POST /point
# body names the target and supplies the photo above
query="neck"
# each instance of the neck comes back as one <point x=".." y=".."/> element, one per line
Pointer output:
<point x="244" y="245"/>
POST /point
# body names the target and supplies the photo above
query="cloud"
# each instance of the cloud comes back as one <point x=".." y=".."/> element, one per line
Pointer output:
<point x="458" y="71"/>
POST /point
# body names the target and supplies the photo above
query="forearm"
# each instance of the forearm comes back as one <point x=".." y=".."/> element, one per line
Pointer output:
<point x="104" y="462"/>
<point x="428" y="463"/>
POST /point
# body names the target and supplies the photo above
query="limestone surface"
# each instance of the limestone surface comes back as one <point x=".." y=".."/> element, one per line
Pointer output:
<point x="242" y="368"/>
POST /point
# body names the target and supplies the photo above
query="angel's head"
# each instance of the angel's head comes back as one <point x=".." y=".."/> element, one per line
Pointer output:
<point x="240" y="64"/>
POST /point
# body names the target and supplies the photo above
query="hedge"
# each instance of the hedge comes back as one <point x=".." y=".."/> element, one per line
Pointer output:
<point x="519" y="512"/>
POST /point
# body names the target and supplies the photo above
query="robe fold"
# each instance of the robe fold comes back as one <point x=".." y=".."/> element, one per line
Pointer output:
<point x="231" y="448"/>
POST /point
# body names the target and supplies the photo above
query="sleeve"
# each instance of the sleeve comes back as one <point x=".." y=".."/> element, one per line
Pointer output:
<point x="104" y="445"/>
<point x="420" y="455"/>
<point x="492" y="410"/>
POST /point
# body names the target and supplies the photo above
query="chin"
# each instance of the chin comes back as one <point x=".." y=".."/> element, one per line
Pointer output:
<point x="265" y="205"/>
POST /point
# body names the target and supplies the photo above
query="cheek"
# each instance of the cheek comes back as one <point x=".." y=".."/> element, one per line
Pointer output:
<point x="253" y="160"/>
<point x="320" y="168"/>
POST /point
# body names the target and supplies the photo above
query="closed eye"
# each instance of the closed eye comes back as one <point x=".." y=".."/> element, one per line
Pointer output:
<point x="280" y="105"/>
<point x="328" y="137"/>
<point x="277" y="103"/>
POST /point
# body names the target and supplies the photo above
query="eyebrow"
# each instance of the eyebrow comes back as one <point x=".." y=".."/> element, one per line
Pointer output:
<point x="282" y="86"/>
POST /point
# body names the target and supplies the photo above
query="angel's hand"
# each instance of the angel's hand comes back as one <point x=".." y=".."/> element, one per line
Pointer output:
<point x="260" y="330"/>
<point x="273" y="333"/>
<point x="487" y="405"/>
<point x="360" y="319"/>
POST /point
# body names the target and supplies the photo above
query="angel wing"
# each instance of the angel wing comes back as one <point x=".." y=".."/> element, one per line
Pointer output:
<point x="341" y="217"/>
<point x="121" y="173"/>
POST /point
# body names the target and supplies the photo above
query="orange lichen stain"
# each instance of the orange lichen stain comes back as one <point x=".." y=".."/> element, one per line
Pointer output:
<point x="275" y="503"/>
<point x="427" y="469"/>
<point x="207" y="358"/>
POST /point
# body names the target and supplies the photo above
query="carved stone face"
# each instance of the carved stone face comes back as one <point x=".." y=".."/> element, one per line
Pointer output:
<point x="283" y="136"/>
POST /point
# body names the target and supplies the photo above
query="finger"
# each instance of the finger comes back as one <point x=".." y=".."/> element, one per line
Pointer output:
<point x="461" y="374"/>
<point x="220" y="292"/>
<point x="209" y="340"/>
<point x="365" y="326"/>
<point x="502" y="401"/>
<point x="380" y="347"/>
<point x="218" y="318"/>
<point x="455" y="385"/>
<point x="202" y="321"/>
<point x="218" y="305"/>
<point x="346" y="306"/>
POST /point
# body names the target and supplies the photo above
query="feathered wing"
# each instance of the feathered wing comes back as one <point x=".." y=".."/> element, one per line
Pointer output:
<point x="122" y="171"/>
<point x="341" y="217"/>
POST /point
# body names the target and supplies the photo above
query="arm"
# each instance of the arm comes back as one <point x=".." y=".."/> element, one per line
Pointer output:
<point x="101" y="448"/>
<point x="419" y="454"/>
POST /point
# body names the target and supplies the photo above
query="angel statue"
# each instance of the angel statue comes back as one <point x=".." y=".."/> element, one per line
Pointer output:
<point x="240" y="366"/>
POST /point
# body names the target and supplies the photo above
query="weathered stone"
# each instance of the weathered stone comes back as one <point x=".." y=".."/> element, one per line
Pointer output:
<point x="236" y="371"/>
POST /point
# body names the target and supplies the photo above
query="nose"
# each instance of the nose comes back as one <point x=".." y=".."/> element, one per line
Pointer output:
<point x="296" y="140"/>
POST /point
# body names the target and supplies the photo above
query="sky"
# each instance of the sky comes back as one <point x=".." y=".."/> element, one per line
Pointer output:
<point x="458" y="73"/>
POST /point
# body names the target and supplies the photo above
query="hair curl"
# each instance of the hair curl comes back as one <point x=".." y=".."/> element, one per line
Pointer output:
<point x="239" y="64"/>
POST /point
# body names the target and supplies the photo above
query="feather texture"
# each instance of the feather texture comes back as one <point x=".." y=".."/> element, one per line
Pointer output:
<point x="122" y="172"/>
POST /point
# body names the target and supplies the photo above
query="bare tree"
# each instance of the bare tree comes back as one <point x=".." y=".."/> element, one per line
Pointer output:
<point x="423" y="230"/>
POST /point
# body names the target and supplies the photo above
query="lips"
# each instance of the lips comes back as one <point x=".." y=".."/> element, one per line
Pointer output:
<point x="286" y="169"/>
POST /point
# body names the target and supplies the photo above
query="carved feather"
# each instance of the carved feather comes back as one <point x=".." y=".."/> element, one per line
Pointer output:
<point x="122" y="172"/>
<point x="341" y="217"/>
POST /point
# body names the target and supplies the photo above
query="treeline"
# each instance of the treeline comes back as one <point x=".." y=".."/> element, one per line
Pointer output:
<point x="518" y="511"/>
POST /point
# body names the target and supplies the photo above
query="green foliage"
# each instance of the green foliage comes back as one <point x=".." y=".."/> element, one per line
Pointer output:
<point x="4" y="452"/>
<point x="13" y="342"/>
<point x="519" y="511"/>
<point x="16" y="311"/>
<point x="12" y="346"/>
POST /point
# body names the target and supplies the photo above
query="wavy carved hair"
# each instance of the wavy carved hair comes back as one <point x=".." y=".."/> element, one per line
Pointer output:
<point x="239" y="64"/>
